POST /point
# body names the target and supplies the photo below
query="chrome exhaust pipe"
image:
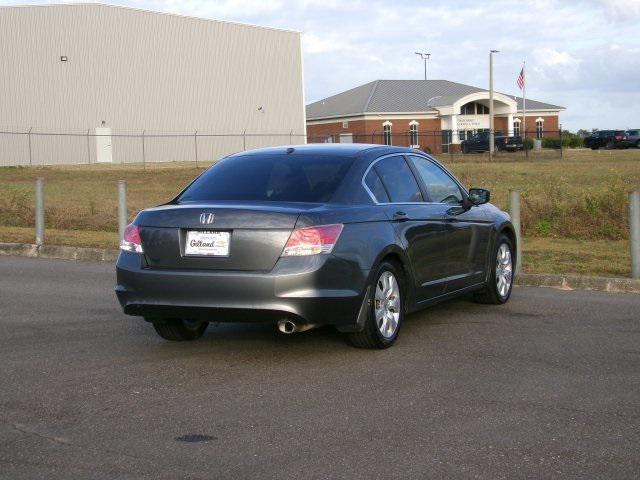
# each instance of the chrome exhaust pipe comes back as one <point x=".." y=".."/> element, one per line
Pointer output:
<point x="289" y="326"/>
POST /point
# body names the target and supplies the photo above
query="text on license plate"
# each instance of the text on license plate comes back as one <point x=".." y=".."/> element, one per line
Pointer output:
<point x="207" y="243"/>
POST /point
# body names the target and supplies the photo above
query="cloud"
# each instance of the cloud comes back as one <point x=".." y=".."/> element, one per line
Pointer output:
<point x="621" y="10"/>
<point x="575" y="51"/>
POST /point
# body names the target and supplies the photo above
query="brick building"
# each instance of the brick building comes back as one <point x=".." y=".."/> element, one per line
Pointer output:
<point x="433" y="115"/>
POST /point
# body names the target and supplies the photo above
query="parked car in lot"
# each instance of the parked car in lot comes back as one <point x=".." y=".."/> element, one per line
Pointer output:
<point x="632" y="138"/>
<point x="606" y="139"/>
<point x="354" y="236"/>
<point x="480" y="142"/>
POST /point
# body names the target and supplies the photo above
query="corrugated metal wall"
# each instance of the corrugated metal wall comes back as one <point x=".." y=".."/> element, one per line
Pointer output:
<point x="139" y="70"/>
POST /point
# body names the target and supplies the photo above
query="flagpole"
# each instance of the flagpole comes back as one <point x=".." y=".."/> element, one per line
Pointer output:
<point x="524" y="109"/>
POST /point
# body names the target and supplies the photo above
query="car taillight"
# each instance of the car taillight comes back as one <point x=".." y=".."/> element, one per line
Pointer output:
<point x="312" y="240"/>
<point x="618" y="137"/>
<point x="131" y="241"/>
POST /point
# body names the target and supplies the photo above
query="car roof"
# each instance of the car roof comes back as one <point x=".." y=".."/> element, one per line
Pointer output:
<point x="337" y="149"/>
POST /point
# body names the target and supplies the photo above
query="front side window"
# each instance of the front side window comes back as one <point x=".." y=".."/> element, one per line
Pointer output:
<point x="440" y="187"/>
<point x="275" y="178"/>
<point x="398" y="180"/>
<point x="386" y="133"/>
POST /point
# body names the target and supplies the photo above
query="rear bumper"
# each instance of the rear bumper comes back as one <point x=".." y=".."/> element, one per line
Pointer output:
<point x="315" y="289"/>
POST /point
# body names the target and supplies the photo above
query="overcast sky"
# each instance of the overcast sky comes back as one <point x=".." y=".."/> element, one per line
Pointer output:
<point x="583" y="55"/>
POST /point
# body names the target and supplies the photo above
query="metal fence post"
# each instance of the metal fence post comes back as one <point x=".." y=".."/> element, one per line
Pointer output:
<point x="122" y="207"/>
<point x="195" y="141"/>
<point x="29" y="137"/>
<point x="88" y="146"/>
<point x="144" y="159"/>
<point x="514" y="207"/>
<point x="561" y="146"/>
<point x="634" y="232"/>
<point x="40" y="211"/>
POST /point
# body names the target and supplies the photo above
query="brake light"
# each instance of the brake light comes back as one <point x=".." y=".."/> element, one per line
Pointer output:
<point x="131" y="240"/>
<point x="618" y="137"/>
<point x="312" y="240"/>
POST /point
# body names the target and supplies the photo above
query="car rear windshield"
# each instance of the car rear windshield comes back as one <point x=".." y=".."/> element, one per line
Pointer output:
<point x="275" y="178"/>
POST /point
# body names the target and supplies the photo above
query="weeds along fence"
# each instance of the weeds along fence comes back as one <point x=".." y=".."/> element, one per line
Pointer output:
<point x="119" y="214"/>
<point x="34" y="147"/>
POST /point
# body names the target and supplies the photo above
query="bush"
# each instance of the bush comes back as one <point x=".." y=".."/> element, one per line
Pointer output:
<point x="569" y="140"/>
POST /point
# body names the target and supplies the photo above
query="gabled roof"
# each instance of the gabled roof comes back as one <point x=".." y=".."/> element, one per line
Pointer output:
<point x="395" y="96"/>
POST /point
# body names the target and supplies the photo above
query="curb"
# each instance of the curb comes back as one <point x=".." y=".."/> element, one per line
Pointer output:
<point x="562" y="282"/>
<point x="579" y="282"/>
<point x="59" y="252"/>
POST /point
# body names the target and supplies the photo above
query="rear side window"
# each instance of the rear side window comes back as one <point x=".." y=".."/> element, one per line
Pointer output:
<point x="374" y="184"/>
<point x="398" y="180"/>
<point x="275" y="178"/>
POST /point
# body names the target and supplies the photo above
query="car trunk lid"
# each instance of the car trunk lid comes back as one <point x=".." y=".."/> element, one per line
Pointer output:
<point x="257" y="234"/>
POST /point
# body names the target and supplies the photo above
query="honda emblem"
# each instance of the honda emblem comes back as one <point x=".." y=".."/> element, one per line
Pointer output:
<point x="206" y="218"/>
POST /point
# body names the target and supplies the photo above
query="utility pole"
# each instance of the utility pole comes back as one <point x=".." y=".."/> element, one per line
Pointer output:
<point x="491" y="128"/>
<point x="424" y="56"/>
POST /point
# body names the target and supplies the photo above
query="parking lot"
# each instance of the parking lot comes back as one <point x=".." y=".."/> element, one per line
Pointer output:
<point x="545" y="386"/>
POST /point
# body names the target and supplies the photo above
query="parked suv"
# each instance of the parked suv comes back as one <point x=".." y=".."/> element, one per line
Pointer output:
<point x="480" y="142"/>
<point x="633" y="138"/>
<point x="606" y="139"/>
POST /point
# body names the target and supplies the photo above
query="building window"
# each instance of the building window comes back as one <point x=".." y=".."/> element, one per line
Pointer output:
<point x="462" y="134"/>
<point x="386" y="133"/>
<point x="468" y="109"/>
<point x="345" y="124"/>
<point x="413" y="133"/>
<point x="539" y="128"/>
<point x="516" y="127"/>
<point x="447" y="136"/>
<point x="473" y="108"/>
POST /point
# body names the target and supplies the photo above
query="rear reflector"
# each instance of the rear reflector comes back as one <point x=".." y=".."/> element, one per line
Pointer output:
<point x="131" y="241"/>
<point x="312" y="240"/>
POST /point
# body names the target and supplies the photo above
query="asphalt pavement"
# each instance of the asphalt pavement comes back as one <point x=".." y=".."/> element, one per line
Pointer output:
<point x="547" y="386"/>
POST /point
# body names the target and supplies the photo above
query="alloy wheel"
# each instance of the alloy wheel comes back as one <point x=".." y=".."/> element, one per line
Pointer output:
<point x="504" y="270"/>
<point x="387" y="304"/>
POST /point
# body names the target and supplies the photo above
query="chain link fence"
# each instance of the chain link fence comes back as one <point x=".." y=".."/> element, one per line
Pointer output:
<point x="34" y="147"/>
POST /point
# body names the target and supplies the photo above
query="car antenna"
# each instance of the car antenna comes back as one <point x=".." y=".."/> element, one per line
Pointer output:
<point x="290" y="150"/>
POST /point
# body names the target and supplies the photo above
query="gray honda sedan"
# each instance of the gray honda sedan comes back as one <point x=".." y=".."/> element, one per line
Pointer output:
<point x="355" y="236"/>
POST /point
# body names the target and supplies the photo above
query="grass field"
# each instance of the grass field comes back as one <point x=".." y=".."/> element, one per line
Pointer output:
<point x="574" y="209"/>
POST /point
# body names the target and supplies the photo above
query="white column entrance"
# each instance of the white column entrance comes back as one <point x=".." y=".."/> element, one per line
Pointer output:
<point x="509" y="124"/>
<point x="455" y="138"/>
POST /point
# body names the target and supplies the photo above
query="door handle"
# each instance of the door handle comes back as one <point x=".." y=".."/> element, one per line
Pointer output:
<point x="400" y="216"/>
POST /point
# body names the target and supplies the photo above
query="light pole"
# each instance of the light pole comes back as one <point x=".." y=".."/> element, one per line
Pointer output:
<point x="424" y="56"/>
<point x="491" y="131"/>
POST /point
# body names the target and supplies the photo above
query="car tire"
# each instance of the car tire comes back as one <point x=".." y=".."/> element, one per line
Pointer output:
<point x="385" y="311"/>
<point x="465" y="149"/>
<point x="638" y="144"/>
<point x="179" y="330"/>
<point x="496" y="292"/>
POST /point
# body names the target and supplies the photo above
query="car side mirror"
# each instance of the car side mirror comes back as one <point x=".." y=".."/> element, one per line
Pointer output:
<point x="479" y="196"/>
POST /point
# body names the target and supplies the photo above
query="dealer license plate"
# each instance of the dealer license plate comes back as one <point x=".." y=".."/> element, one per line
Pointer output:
<point x="214" y="244"/>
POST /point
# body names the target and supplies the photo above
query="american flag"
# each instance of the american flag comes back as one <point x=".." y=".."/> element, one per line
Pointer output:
<point x="520" y="80"/>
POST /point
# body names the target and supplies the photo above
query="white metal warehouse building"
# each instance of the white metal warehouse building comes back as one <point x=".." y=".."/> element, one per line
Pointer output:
<point x="150" y="85"/>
